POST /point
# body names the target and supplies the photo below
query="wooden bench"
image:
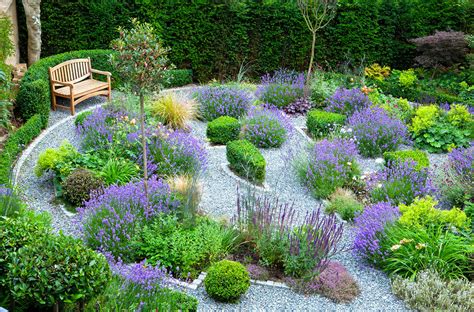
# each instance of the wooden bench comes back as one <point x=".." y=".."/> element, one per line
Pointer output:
<point x="73" y="80"/>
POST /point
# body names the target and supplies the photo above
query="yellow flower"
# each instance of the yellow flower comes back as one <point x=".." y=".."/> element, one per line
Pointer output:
<point x="395" y="247"/>
<point x="405" y="241"/>
<point x="133" y="122"/>
<point x="420" y="246"/>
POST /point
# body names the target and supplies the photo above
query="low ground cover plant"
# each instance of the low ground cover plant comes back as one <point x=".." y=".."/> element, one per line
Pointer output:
<point x="223" y="129"/>
<point x="418" y="156"/>
<point x="281" y="89"/>
<point x="246" y="160"/>
<point x="266" y="127"/>
<point x="330" y="164"/>
<point x="345" y="203"/>
<point x="381" y="134"/>
<point x="222" y="101"/>
<point x="227" y="281"/>
<point x="321" y="123"/>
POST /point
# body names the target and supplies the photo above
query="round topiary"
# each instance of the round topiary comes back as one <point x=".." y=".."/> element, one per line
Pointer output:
<point x="226" y="281"/>
<point x="78" y="186"/>
<point x="223" y="129"/>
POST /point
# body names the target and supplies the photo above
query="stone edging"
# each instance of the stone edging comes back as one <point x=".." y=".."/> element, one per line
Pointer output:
<point x="303" y="133"/>
<point x="227" y="171"/>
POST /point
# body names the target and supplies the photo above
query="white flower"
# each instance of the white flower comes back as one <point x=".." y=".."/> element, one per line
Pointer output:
<point x="349" y="163"/>
<point x="362" y="177"/>
<point x="379" y="185"/>
<point x="349" y="130"/>
<point x="379" y="161"/>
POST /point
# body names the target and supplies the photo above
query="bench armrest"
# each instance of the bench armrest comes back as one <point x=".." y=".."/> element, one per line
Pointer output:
<point x="65" y="84"/>
<point x="100" y="72"/>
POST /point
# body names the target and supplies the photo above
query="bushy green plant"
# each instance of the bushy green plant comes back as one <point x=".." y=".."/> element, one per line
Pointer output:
<point x="423" y="213"/>
<point x="418" y="156"/>
<point x="123" y="295"/>
<point x="118" y="171"/>
<point x="33" y="98"/>
<point x="345" y="204"/>
<point x="48" y="159"/>
<point x="410" y="250"/>
<point x="79" y="185"/>
<point x="223" y="129"/>
<point x="79" y="121"/>
<point x="56" y="269"/>
<point x="437" y="131"/>
<point x="10" y="202"/>
<point x="377" y="72"/>
<point x="177" y="78"/>
<point x="407" y="78"/>
<point x="398" y="108"/>
<point x="15" y="143"/>
<point x="186" y="251"/>
<point x="430" y="292"/>
<point x="320" y="123"/>
<point x="459" y="116"/>
<point x="246" y="160"/>
<point x="226" y="281"/>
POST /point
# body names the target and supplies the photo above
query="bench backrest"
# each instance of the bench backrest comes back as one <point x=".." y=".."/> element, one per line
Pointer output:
<point x="71" y="71"/>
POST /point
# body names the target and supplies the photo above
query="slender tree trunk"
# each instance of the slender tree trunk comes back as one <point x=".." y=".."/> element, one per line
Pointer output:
<point x="310" y="67"/>
<point x="33" y="23"/>
<point x="142" y="125"/>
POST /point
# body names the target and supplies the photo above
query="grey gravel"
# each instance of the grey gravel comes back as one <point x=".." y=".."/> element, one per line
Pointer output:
<point x="219" y="195"/>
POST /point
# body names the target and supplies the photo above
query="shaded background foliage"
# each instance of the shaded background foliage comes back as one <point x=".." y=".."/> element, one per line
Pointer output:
<point x="213" y="37"/>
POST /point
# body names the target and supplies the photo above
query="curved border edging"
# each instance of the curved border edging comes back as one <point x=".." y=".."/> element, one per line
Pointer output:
<point x="227" y="171"/>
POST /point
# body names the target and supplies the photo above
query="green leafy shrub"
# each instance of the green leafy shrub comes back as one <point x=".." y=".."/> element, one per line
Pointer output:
<point x="320" y="123"/>
<point x="430" y="292"/>
<point x="377" y="72"/>
<point x="118" y="171"/>
<point x="48" y="159"/>
<point x="345" y="204"/>
<point x="423" y="213"/>
<point x="177" y="78"/>
<point x="79" y="121"/>
<point x="56" y="269"/>
<point x="437" y="131"/>
<point x="15" y="144"/>
<point x="246" y="160"/>
<point x="10" y="202"/>
<point x="226" y="281"/>
<point x="33" y="98"/>
<point x="410" y="250"/>
<point x="186" y="251"/>
<point x="223" y="129"/>
<point x="78" y="186"/>
<point x="418" y="156"/>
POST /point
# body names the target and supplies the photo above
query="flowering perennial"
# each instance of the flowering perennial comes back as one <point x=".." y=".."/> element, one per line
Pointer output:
<point x="282" y="88"/>
<point x="347" y="101"/>
<point x="376" y="132"/>
<point x="222" y="101"/>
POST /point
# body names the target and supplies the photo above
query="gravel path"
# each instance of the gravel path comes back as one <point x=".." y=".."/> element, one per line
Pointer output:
<point x="219" y="194"/>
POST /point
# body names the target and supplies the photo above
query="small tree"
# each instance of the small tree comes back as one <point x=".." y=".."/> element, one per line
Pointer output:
<point x="443" y="49"/>
<point x="141" y="60"/>
<point x="316" y="14"/>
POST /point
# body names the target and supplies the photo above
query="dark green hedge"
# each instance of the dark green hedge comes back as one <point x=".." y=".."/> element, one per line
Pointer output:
<point x="214" y="37"/>
<point x="15" y="144"/>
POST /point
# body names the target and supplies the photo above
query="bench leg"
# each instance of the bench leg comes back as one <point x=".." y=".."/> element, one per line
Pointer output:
<point x="109" y="96"/>
<point x="53" y="98"/>
<point x="73" y="111"/>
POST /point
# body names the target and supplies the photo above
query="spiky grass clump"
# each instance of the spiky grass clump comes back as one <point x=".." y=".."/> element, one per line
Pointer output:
<point x="174" y="110"/>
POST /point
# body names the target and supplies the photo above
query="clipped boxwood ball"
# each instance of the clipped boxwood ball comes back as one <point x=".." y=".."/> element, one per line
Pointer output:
<point x="226" y="281"/>
<point x="79" y="185"/>
<point x="223" y="129"/>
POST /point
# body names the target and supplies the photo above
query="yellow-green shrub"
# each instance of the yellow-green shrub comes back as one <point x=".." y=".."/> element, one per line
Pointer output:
<point x="459" y="115"/>
<point x="377" y="72"/>
<point x="425" y="117"/>
<point x="174" y="110"/>
<point x="422" y="212"/>
<point x="51" y="156"/>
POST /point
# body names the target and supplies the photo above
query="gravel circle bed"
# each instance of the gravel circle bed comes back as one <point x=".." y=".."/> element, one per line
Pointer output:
<point x="218" y="200"/>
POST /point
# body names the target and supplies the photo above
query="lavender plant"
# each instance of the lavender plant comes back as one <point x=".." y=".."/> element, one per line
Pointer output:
<point x="400" y="183"/>
<point x="176" y="153"/>
<point x="282" y="88"/>
<point x="369" y="225"/>
<point x="330" y="164"/>
<point x="222" y="101"/>
<point x="109" y="219"/>
<point x="266" y="127"/>
<point x="312" y="244"/>
<point x="376" y="132"/>
<point x="347" y="101"/>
